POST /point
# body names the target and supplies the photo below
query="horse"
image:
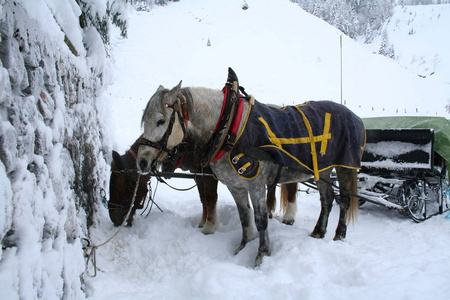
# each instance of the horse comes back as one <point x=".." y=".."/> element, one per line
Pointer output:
<point x="170" y="117"/>
<point x="123" y="182"/>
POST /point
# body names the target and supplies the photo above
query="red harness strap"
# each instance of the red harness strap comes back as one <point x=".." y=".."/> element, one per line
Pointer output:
<point x="225" y="97"/>
<point x="234" y="126"/>
<point x="180" y="161"/>
<point x="133" y="154"/>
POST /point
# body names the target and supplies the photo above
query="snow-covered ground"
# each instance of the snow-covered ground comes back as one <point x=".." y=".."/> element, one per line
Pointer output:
<point x="282" y="55"/>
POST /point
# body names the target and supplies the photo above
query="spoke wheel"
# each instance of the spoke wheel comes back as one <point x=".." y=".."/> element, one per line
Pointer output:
<point x="415" y="204"/>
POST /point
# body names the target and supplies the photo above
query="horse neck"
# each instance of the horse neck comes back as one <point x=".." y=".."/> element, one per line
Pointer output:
<point x="129" y="158"/>
<point x="204" y="113"/>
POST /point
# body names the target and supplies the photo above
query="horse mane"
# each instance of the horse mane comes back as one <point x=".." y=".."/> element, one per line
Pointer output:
<point x="150" y="104"/>
<point x="128" y="159"/>
<point x="204" y="106"/>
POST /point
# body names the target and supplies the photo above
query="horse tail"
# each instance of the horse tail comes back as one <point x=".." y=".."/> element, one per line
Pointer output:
<point x="354" y="201"/>
<point x="283" y="198"/>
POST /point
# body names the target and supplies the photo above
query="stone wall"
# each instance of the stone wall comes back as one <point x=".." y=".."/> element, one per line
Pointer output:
<point x="52" y="153"/>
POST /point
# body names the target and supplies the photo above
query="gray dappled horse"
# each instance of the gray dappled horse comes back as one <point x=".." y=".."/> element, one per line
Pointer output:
<point x="124" y="176"/>
<point x="165" y="127"/>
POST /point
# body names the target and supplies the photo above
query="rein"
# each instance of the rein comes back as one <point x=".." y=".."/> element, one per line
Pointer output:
<point x="90" y="250"/>
<point x="158" y="176"/>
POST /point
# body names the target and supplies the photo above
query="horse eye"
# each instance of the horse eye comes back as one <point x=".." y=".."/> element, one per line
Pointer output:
<point x="160" y="122"/>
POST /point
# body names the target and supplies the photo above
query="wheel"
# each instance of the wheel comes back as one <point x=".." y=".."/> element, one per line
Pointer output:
<point x="415" y="204"/>
<point x="445" y="191"/>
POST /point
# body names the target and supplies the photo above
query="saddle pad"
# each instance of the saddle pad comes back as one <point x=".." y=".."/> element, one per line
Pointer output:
<point x="315" y="135"/>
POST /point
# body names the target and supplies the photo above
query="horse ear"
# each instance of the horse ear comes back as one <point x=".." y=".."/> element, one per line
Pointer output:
<point x="118" y="160"/>
<point x="176" y="89"/>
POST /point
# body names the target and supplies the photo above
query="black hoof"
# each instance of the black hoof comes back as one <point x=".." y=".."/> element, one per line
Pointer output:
<point x="288" y="222"/>
<point x="317" y="235"/>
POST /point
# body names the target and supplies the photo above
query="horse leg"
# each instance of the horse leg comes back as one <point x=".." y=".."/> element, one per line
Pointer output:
<point x="201" y="192"/>
<point x="288" y="202"/>
<point x="257" y="195"/>
<point x="202" y="222"/>
<point x="326" y="201"/>
<point x="271" y="201"/>
<point x="240" y="196"/>
<point x="207" y="189"/>
<point x="347" y="182"/>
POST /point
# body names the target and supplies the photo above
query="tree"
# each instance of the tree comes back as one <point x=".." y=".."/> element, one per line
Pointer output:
<point x="355" y="18"/>
<point x="386" y="48"/>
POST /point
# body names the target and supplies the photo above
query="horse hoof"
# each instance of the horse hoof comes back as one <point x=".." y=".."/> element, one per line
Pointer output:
<point x="238" y="249"/>
<point x="259" y="258"/>
<point x="209" y="228"/>
<point x="288" y="222"/>
<point x="339" y="238"/>
<point x="317" y="235"/>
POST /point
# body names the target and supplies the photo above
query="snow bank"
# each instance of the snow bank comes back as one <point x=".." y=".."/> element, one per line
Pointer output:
<point x="52" y="128"/>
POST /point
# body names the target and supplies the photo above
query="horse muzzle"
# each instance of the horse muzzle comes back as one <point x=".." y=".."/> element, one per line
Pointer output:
<point x="144" y="166"/>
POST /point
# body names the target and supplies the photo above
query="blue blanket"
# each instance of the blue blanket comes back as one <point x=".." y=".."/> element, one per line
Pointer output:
<point x="316" y="135"/>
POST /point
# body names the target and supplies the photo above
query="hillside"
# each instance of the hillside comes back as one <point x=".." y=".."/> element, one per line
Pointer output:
<point x="283" y="62"/>
<point x="419" y="36"/>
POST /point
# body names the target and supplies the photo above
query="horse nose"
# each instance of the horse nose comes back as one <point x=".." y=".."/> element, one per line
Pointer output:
<point x="142" y="164"/>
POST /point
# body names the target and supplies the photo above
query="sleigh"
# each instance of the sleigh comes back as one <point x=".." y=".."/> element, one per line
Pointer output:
<point x="405" y="165"/>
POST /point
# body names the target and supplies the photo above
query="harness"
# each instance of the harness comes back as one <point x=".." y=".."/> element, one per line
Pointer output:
<point x="180" y="109"/>
<point x="224" y="136"/>
<point x="130" y="176"/>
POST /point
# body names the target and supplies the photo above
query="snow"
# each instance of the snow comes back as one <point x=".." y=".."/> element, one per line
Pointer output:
<point x="390" y="150"/>
<point x="282" y="55"/>
<point x="419" y="35"/>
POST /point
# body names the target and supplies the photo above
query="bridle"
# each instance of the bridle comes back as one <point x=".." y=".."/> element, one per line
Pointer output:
<point x="130" y="176"/>
<point x="180" y="110"/>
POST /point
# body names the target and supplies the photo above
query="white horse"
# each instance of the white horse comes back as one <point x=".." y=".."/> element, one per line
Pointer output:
<point x="169" y="118"/>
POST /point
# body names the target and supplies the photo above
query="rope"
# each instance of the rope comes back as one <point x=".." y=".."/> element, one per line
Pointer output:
<point x="151" y="196"/>
<point x="160" y="179"/>
<point x="91" y="255"/>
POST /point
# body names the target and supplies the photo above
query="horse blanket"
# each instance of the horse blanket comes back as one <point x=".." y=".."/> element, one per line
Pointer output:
<point x="316" y="135"/>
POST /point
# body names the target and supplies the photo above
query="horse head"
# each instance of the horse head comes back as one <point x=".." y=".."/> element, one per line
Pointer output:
<point x="122" y="185"/>
<point x="164" y="127"/>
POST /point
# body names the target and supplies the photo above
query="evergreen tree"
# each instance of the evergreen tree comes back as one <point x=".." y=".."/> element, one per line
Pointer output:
<point x="386" y="48"/>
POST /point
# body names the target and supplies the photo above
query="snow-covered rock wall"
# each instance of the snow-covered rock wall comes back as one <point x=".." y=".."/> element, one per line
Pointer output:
<point x="53" y="142"/>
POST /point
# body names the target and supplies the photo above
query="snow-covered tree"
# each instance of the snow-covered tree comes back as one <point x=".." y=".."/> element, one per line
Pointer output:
<point x="386" y="48"/>
<point x="355" y="18"/>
